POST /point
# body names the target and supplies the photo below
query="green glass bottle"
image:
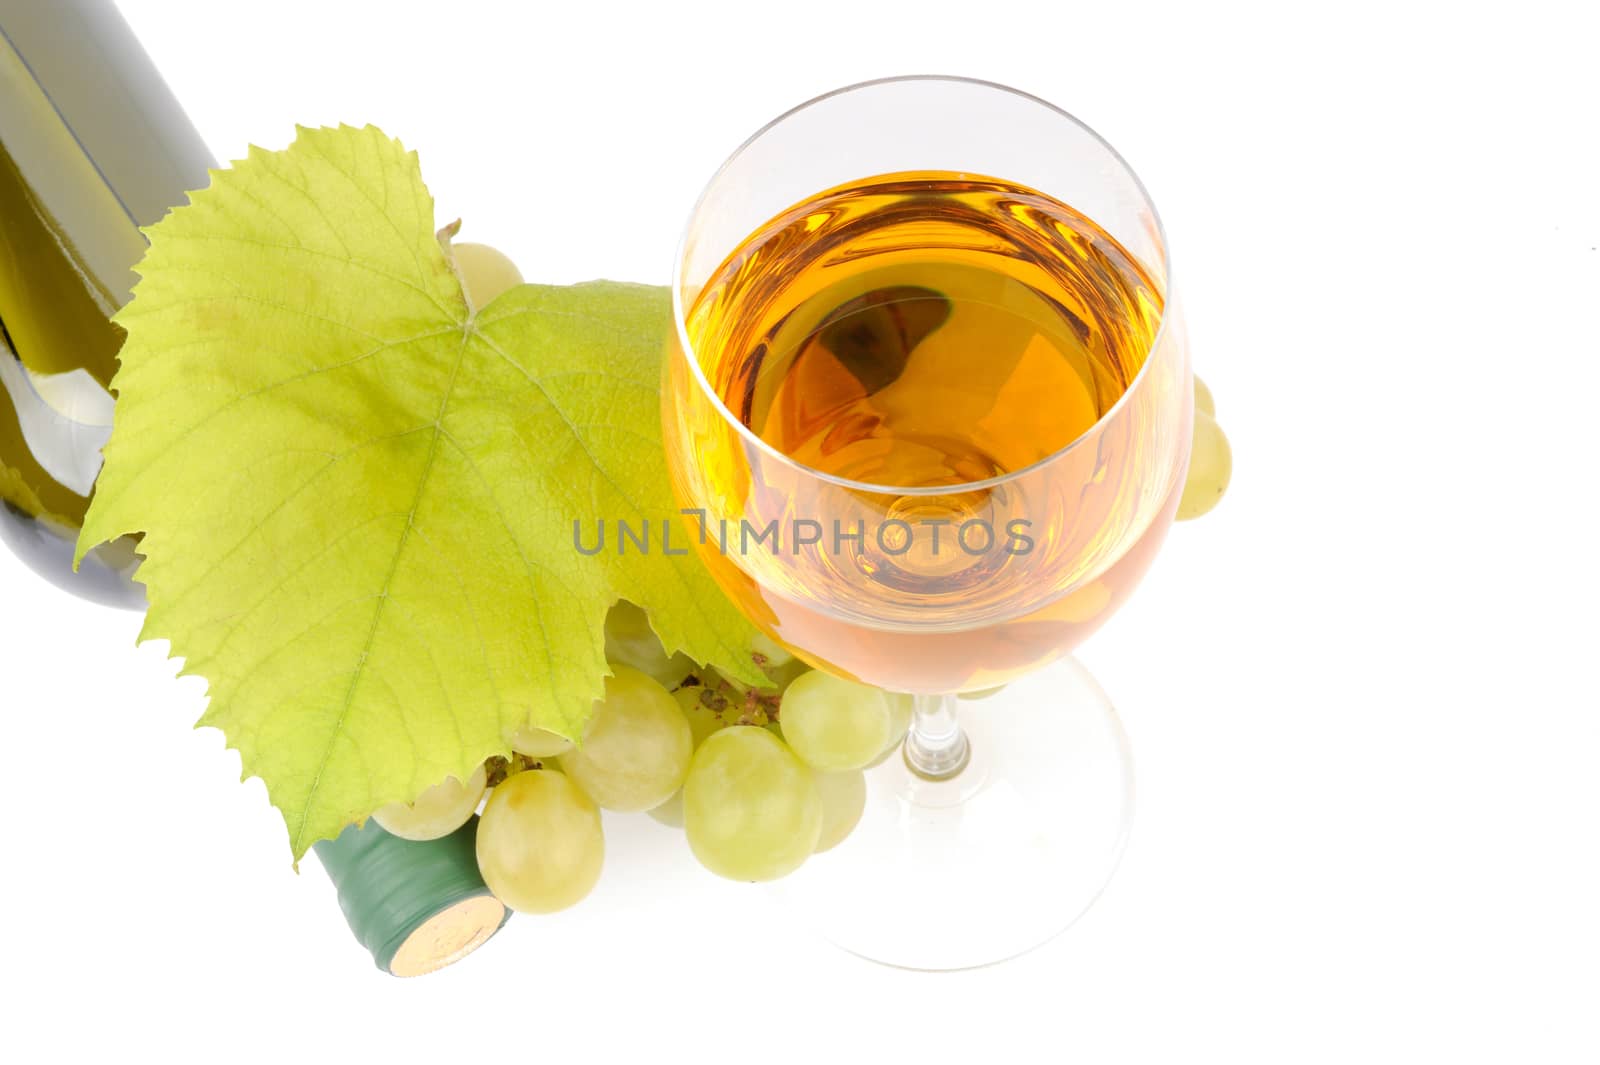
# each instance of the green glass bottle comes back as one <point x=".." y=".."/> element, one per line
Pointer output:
<point x="92" y="146"/>
<point x="416" y="907"/>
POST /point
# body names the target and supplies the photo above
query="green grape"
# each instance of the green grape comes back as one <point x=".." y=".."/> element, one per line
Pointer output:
<point x="437" y="812"/>
<point x="1210" y="468"/>
<point x="899" y="716"/>
<point x="884" y="756"/>
<point x="900" y="711"/>
<point x="539" y="743"/>
<point x="835" y="724"/>
<point x="1202" y="398"/>
<point x="783" y="676"/>
<point x="485" y="272"/>
<point x="670" y="813"/>
<point x="636" y="747"/>
<point x="751" y="809"/>
<point x="777" y="662"/>
<point x="773" y="654"/>
<point x="844" y="797"/>
<point x="631" y="641"/>
<point x="540" y="847"/>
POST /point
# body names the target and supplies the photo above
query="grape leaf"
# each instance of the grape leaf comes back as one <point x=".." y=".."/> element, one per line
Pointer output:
<point x="358" y="492"/>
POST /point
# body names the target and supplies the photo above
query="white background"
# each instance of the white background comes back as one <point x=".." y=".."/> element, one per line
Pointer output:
<point x="1361" y="695"/>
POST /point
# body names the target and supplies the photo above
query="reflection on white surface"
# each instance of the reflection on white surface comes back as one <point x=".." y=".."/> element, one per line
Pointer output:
<point x="65" y="419"/>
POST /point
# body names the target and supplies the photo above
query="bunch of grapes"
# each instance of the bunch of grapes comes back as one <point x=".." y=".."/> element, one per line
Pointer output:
<point x="759" y="779"/>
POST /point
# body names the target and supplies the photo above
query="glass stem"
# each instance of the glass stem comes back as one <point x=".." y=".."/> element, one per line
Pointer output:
<point x="935" y="748"/>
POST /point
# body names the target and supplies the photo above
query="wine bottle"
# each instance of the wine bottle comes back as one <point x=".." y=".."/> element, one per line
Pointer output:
<point x="415" y="907"/>
<point x="92" y="146"/>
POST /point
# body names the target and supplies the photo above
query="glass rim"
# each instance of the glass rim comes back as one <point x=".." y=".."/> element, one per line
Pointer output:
<point x="686" y="348"/>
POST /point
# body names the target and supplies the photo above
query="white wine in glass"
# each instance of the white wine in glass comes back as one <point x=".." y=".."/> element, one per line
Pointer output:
<point x="929" y="410"/>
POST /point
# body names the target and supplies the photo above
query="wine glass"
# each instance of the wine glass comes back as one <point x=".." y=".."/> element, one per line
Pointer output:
<point x="924" y="306"/>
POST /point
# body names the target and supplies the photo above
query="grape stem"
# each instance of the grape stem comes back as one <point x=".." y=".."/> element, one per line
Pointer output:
<point x="498" y="769"/>
<point x="935" y="747"/>
<point x="736" y="703"/>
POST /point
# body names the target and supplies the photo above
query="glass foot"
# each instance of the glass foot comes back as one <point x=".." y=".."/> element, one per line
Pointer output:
<point x="995" y="860"/>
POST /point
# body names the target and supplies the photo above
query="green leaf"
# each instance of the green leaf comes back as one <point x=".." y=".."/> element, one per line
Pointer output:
<point x="358" y="493"/>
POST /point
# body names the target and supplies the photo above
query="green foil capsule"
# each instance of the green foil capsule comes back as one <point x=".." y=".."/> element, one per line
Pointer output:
<point x="416" y="907"/>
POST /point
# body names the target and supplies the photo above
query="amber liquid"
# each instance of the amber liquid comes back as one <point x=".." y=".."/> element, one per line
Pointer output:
<point x="904" y="334"/>
<point x="926" y="329"/>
